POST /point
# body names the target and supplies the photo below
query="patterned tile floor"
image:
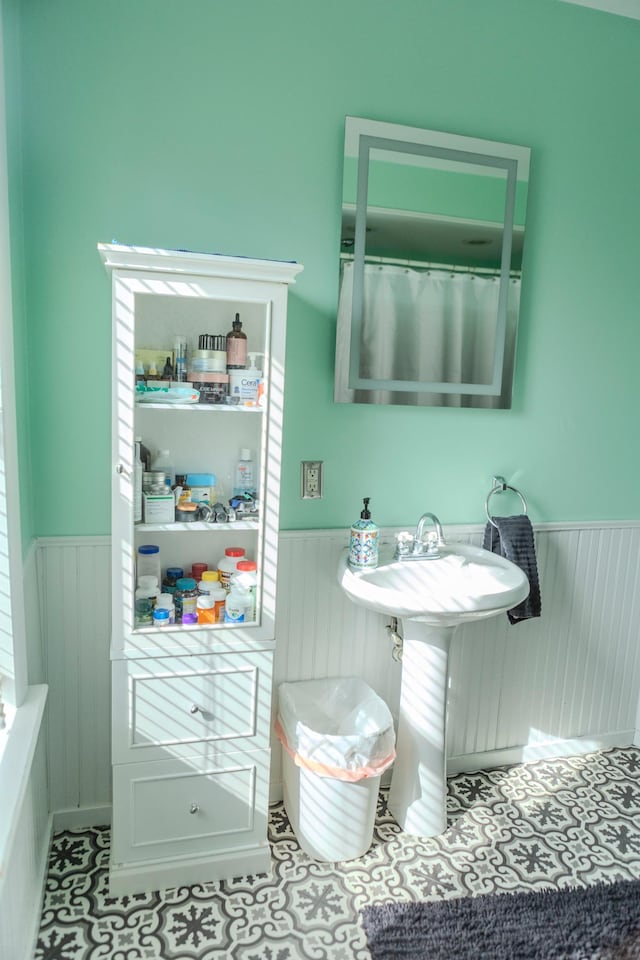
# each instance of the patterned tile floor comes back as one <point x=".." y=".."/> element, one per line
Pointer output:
<point x="551" y="823"/>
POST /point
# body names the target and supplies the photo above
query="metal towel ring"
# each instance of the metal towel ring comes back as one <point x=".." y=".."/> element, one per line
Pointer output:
<point x="499" y="486"/>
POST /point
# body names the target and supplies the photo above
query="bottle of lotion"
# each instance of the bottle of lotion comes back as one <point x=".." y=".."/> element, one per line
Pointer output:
<point x="363" y="541"/>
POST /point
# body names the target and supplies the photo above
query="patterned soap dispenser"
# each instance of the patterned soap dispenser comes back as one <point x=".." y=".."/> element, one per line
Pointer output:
<point x="363" y="542"/>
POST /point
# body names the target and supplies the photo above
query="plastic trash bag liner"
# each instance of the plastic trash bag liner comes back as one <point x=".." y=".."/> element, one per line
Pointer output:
<point x="337" y="727"/>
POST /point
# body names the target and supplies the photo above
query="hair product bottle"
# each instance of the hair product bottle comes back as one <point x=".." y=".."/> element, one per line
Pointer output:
<point x="236" y="346"/>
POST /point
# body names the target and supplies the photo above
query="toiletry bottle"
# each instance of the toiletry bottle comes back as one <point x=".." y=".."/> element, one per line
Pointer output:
<point x="162" y="462"/>
<point x="236" y="346"/>
<point x="137" y="493"/>
<point x="145" y="456"/>
<point x="253" y="381"/>
<point x="180" y="347"/>
<point x="363" y="541"/>
<point x="236" y="605"/>
<point x="245" y="474"/>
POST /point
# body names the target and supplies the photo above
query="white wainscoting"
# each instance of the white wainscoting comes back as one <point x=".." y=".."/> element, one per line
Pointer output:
<point x="74" y="578"/>
<point x="566" y="683"/>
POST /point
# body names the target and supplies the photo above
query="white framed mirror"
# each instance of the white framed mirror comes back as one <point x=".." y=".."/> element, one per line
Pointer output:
<point x="430" y="267"/>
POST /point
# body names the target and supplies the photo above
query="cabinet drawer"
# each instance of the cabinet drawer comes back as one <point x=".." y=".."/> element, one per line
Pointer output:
<point x="190" y="807"/>
<point x="164" y="706"/>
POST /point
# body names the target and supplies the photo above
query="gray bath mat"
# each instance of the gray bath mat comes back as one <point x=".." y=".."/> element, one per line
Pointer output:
<point x="595" y="923"/>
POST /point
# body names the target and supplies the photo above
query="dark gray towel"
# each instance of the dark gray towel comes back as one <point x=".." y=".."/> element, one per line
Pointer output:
<point x="512" y="538"/>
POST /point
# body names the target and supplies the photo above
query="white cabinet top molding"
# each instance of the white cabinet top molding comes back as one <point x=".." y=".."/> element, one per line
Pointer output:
<point x="122" y="257"/>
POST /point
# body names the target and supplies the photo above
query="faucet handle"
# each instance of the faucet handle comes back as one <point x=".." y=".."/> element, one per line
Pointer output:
<point x="404" y="543"/>
<point x="433" y="542"/>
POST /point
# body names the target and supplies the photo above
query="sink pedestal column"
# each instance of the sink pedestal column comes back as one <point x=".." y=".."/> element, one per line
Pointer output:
<point x="417" y="798"/>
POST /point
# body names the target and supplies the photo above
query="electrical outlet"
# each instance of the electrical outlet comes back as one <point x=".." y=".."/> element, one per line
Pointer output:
<point x="311" y="479"/>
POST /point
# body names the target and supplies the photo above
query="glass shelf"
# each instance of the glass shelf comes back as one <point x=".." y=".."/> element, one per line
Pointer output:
<point x="200" y="407"/>
<point x="199" y="526"/>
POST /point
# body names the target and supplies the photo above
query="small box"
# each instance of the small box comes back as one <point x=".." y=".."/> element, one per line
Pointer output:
<point x="154" y="358"/>
<point x="160" y="508"/>
<point x="203" y="487"/>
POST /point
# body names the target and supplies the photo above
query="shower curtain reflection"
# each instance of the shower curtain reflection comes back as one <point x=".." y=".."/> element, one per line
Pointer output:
<point x="427" y="325"/>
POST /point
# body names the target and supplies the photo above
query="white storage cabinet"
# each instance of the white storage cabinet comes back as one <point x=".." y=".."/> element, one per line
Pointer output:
<point x="191" y="704"/>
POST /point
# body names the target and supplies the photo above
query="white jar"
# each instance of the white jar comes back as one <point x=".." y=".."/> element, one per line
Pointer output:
<point x="162" y="462"/>
<point x="228" y="564"/>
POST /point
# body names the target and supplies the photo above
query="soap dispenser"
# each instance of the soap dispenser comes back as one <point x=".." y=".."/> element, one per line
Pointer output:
<point x="363" y="541"/>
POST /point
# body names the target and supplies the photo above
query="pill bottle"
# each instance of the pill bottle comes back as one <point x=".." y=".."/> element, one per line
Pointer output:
<point x="148" y="562"/>
<point x="206" y="608"/>
<point x="143" y="616"/>
<point x="209" y="581"/>
<point x="145" y="598"/>
<point x="189" y="619"/>
<point x="236" y="605"/>
<point x="185" y="597"/>
<point x="219" y="595"/>
<point x="227" y="565"/>
<point x="165" y="600"/>
<point x="161" y="617"/>
<point x="148" y="587"/>
<point x="247" y="579"/>
<point x="197" y="569"/>
<point x="172" y="574"/>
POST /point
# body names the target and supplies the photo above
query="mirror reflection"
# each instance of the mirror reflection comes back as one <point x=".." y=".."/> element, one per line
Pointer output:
<point x="430" y="261"/>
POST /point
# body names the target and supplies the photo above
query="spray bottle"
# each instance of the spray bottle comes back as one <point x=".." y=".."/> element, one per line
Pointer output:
<point x="363" y="541"/>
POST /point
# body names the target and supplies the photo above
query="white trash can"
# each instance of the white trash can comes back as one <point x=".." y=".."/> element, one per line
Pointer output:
<point x="337" y="740"/>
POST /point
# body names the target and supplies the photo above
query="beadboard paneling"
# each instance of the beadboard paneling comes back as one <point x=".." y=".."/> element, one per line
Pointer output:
<point x="557" y="684"/>
<point x="74" y="577"/>
<point x="516" y="691"/>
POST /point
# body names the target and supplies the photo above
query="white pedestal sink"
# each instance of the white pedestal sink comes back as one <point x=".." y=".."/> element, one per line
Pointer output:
<point x="431" y="597"/>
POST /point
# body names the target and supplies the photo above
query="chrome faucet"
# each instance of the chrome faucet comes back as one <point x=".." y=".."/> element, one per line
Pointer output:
<point x="417" y="547"/>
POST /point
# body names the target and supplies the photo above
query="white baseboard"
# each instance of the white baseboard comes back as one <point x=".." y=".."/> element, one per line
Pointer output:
<point x="159" y="874"/>
<point x="575" y="746"/>
<point x="79" y="817"/>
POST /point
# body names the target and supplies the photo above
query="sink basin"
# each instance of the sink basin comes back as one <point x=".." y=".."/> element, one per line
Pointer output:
<point x="464" y="583"/>
<point x="431" y="599"/>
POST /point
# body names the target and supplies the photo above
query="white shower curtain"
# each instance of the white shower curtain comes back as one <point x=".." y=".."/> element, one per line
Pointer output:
<point x="426" y="325"/>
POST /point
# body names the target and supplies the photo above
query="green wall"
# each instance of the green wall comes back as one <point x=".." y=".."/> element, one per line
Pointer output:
<point x="10" y="10"/>
<point x="219" y="127"/>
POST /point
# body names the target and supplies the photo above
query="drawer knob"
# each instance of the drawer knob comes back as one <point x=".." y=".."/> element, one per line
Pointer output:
<point x="194" y="708"/>
<point x="194" y="808"/>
